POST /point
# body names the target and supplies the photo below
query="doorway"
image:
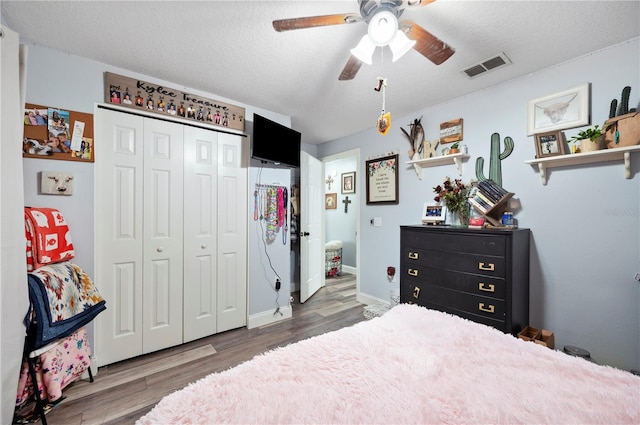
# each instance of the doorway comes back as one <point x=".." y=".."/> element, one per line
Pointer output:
<point x="342" y="180"/>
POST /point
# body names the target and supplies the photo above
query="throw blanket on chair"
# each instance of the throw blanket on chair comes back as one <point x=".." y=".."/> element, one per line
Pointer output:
<point x="48" y="237"/>
<point x="63" y="299"/>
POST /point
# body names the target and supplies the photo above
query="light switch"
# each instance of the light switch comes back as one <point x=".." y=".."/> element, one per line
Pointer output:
<point x="56" y="183"/>
<point x="377" y="221"/>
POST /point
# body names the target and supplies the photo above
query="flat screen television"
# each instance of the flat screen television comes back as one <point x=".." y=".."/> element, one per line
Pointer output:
<point x="273" y="142"/>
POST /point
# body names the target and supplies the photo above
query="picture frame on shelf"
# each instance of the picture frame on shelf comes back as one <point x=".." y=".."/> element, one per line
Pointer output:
<point x="349" y="182"/>
<point x="559" y="111"/>
<point x="382" y="180"/>
<point x="330" y="201"/>
<point x="551" y="143"/>
<point x="433" y="214"/>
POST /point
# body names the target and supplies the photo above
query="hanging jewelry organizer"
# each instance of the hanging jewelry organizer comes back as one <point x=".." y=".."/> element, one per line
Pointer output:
<point x="271" y="204"/>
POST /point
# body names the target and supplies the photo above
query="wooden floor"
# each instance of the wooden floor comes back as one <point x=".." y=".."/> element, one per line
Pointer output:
<point x="123" y="392"/>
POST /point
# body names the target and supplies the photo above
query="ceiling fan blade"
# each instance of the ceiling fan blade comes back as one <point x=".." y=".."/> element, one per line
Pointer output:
<point x="314" y="21"/>
<point x="350" y="69"/>
<point x="427" y="44"/>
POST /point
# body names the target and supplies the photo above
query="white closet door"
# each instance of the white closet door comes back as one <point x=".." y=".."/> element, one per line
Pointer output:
<point x="200" y="244"/>
<point x="232" y="232"/>
<point x="118" y="234"/>
<point x="163" y="235"/>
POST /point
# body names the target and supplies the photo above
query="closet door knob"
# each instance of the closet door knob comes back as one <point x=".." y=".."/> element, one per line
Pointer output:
<point x="203" y="246"/>
<point x="159" y="249"/>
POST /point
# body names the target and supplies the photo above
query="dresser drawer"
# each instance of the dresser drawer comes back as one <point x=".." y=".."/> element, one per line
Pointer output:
<point x="412" y="258"/>
<point x="490" y="321"/>
<point x="462" y="301"/>
<point x="489" y="244"/>
<point x="476" y="284"/>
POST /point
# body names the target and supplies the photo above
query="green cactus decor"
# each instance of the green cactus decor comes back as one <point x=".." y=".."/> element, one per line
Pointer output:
<point x="623" y="108"/>
<point x="495" y="167"/>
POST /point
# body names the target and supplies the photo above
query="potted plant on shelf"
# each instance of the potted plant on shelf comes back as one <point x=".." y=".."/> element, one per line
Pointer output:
<point x="590" y="139"/>
<point x="455" y="148"/>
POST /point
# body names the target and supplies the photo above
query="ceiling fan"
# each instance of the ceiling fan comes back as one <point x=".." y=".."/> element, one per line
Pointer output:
<point x="381" y="17"/>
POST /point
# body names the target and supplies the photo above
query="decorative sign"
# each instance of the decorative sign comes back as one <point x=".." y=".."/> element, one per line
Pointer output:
<point x="382" y="180"/>
<point x="451" y="131"/>
<point x="137" y="94"/>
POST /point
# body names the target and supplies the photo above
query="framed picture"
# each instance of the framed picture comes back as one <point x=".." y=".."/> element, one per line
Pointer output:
<point x="433" y="214"/>
<point x="382" y="180"/>
<point x="551" y="143"/>
<point x="349" y="182"/>
<point x="558" y="111"/>
<point x="330" y="201"/>
<point x="451" y="131"/>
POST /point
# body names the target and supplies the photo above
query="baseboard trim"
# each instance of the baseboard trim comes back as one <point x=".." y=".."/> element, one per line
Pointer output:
<point x="369" y="299"/>
<point x="268" y="317"/>
<point x="349" y="269"/>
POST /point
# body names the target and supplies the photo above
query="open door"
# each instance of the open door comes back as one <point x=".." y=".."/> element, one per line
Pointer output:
<point x="311" y="231"/>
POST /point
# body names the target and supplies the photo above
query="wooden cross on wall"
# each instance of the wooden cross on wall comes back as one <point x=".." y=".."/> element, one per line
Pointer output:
<point x="329" y="181"/>
<point x="346" y="203"/>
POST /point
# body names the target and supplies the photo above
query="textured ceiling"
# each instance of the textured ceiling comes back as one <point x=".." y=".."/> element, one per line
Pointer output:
<point x="230" y="49"/>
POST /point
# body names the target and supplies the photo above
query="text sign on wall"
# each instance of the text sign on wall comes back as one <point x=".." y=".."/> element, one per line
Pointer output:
<point x="138" y="94"/>
<point x="451" y="131"/>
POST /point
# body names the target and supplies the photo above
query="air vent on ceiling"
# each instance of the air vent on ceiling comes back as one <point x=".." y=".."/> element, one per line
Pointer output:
<point x="487" y="65"/>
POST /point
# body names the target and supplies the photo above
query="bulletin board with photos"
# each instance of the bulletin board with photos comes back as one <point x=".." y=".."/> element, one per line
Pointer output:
<point x="57" y="133"/>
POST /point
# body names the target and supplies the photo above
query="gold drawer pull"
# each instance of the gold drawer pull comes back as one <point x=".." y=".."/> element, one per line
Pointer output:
<point x="491" y="308"/>
<point x="416" y="292"/>
<point x="412" y="272"/>
<point x="487" y="288"/>
<point x="491" y="267"/>
<point x="413" y="255"/>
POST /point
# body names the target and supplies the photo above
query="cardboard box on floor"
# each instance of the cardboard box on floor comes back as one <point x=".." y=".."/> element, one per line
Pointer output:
<point x="539" y="336"/>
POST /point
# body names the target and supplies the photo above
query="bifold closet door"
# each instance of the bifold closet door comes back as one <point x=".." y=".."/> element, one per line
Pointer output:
<point x="233" y="210"/>
<point x="118" y="234"/>
<point x="138" y="228"/>
<point x="163" y="235"/>
<point x="200" y="231"/>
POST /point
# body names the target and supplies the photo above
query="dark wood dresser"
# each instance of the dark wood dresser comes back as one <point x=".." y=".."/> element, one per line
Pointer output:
<point x="479" y="274"/>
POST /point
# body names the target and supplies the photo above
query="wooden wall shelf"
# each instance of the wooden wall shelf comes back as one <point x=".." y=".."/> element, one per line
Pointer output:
<point x="604" y="155"/>
<point x="455" y="158"/>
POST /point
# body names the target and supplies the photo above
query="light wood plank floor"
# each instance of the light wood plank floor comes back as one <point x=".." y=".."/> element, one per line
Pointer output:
<point x="125" y="391"/>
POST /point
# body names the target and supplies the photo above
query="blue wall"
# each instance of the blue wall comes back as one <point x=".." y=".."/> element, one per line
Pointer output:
<point x="585" y="248"/>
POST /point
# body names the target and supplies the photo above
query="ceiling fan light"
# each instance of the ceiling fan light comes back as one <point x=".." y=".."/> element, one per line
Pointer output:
<point x="400" y="45"/>
<point x="383" y="26"/>
<point x="364" y="50"/>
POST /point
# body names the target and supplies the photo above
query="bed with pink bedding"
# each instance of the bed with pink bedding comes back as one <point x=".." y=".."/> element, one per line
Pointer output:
<point x="411" y="365"/>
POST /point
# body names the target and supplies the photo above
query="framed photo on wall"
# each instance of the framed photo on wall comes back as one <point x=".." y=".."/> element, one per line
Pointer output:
<point x="349" y="182"/>
<point x="330" y="201"/>
<point x="551" y="143"/>
<point x="558" y="111"/>
<point x="382" y="180"/>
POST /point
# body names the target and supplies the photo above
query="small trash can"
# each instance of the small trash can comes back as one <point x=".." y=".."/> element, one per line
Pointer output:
<point x="578" y="352"/>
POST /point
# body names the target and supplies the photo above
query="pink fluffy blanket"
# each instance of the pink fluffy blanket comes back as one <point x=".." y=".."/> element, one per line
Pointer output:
<point x="411" y="365"/>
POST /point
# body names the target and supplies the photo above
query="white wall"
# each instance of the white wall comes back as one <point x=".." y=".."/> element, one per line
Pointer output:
<point x="585" y="248"/>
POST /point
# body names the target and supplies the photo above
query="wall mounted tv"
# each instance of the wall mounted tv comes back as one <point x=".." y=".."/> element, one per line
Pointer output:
<point x="273" y="142"/>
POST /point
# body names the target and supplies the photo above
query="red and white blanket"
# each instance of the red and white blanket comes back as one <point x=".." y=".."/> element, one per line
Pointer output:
<point x="48" y="237"/>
